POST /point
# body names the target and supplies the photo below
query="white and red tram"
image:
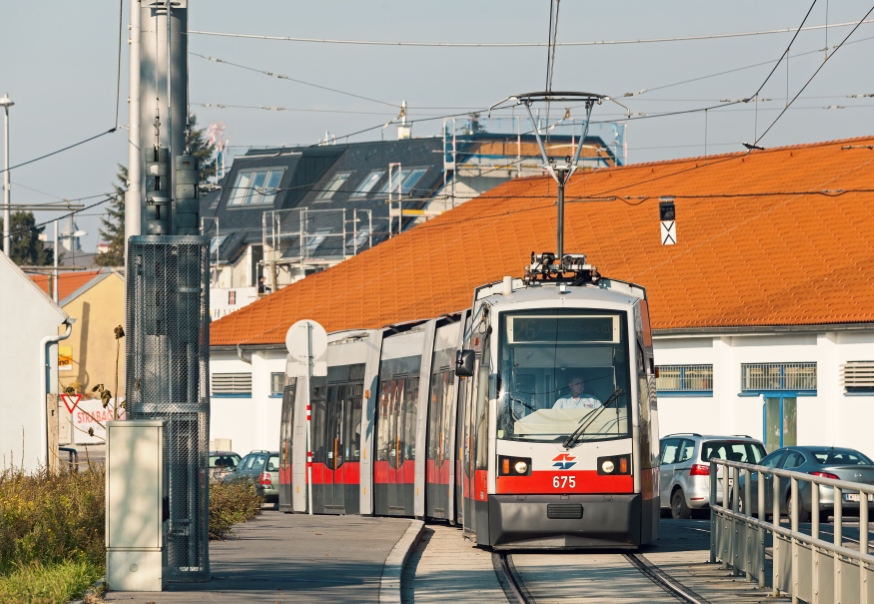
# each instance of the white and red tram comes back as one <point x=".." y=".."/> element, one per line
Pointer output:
<point x="470" y="418"/>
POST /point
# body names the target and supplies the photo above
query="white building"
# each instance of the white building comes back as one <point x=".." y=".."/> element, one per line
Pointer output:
<point x="804" y="384"/>
<point x="29" y="322"/>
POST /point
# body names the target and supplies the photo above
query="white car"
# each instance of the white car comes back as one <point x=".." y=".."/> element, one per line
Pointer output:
<point x="684" y="472"/>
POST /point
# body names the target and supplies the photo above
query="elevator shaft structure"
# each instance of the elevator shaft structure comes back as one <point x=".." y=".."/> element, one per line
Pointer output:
<point x="167" y="308"/>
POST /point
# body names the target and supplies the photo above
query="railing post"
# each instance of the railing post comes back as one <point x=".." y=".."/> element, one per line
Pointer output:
<point x="726" y="533"/>
<point x="839" y="540"/>
<point x="863" y="546"/>
<point x="793" y="523"/>
<point x="713" y="486"/>
<point x="748" y="512"/>
<point x="775" y="509"/>
<point x="762" y="516"/>
<point x="814" y="533"/>
<point x="735" y="487"/>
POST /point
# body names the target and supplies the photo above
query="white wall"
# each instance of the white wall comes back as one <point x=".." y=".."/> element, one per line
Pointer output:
<point x="27" y="315"/>
<point x="832" y="417"/>
<point x="251" y="422"/>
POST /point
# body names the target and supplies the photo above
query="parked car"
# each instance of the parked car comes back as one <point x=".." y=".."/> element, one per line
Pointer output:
<point x="684" y="472"/>
<point x="826" y="462"/>
<point x="222" y="463"/>
<point x="262" y="469"/>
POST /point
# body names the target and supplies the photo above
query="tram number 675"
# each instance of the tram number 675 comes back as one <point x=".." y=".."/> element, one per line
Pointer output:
<point x="562" y="482"/>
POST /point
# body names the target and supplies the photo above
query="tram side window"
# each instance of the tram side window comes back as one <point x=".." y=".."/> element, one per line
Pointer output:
<point x="408" y="431"/>
<point x="448" y="383"/>
<point x="482" y="411"/>
<point x="352" y="422"/>
<point x="319" y="417"/>
<point x="384" y="437"/>
<point x="435" y="427"/>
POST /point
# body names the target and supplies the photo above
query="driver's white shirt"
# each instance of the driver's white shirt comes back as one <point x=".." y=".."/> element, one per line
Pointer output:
<point x="584" y="401"/>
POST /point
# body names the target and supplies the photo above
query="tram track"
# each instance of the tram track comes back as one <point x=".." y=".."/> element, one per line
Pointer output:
<point x="516" y="592"/>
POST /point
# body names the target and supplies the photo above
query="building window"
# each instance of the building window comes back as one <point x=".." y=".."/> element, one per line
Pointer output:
<point x="686" y="379"/>
<point x="334" y="185"/>
<point x="858" y="376"/>
<point x="316" y="240"/>
<point x="368" y="183"/>
<point x="256" y="187"/>
<point x="277" y="382"/>
<point x="408" y="179"/>
<point x="232" y="384"/>
<point x="778" y="376"/>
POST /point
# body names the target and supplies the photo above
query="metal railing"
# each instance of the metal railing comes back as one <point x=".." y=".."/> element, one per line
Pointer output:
<point x="806" y="567"/>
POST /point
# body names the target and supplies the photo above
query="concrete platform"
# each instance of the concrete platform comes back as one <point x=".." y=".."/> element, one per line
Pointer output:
<point x="290" y="558"/>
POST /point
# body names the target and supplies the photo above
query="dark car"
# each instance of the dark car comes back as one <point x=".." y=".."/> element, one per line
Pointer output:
<point x="261" y="468"/>
<point x="826" y="462"/>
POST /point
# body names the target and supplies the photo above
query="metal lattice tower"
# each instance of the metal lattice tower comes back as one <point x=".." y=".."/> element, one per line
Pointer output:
<point x="167" y="359"/>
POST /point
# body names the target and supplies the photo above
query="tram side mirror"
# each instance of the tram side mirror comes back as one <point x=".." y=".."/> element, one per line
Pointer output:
<point x="464" y="363"/>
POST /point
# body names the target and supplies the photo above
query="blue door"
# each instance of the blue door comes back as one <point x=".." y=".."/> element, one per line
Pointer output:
<point x="779" y="419"/>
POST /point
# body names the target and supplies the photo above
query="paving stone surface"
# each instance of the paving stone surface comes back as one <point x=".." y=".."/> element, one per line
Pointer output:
<point x="279" y="558"/>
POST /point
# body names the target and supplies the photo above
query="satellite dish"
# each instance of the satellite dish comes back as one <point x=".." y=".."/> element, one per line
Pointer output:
<point x="299" y="337"/>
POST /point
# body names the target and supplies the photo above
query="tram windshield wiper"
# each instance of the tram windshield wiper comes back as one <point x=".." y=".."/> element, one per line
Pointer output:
<point x="574" y="439"/>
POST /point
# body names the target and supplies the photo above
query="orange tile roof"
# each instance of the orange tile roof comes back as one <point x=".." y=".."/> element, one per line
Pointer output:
<point x="757" y="246"/>
<point x="68" y="282"/>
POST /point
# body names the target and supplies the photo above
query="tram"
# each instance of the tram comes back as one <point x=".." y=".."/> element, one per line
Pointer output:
<point x="529" y="419"/>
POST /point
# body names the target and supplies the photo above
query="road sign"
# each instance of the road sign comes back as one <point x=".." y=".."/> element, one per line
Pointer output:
<point x="71" y="400"/>
<point x="306" y="342"/>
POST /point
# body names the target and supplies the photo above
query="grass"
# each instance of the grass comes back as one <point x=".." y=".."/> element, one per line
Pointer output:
<point x="50" y="583"/>
<point x="229" y="504"/>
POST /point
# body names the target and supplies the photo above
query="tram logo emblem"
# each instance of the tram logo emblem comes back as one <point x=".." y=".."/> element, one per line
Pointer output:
<point x="563" y="461"/>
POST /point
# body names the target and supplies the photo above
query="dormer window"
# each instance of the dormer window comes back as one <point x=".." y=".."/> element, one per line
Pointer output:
<point x="256" y="187"/>
<point x="333" y="186"/>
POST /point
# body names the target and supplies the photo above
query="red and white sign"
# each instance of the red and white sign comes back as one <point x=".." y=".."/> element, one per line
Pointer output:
<point x="71" y="400"/>
<point x="91" y="414"/>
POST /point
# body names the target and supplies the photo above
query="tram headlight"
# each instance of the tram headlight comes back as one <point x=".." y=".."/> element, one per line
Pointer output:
<point x="514" y="466"/>
<point x="614" y="464"/>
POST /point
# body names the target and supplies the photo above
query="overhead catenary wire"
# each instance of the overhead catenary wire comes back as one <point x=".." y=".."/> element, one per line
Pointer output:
<point x="515" y="44"/>
<point x="68" y="147"/>
<point x="74" y="212"/>
<point x="818" y="69"/>
<point x="284" y="77"/>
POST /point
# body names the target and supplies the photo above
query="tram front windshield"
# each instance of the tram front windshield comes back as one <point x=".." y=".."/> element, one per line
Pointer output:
<point x="563" y="372"/>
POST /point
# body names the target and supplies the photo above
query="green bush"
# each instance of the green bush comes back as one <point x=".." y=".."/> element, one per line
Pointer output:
<point x="47" y="518"/>
<point x="230" y="503"/>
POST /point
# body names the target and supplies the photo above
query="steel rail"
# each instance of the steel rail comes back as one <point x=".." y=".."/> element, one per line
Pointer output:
<point x="509" y="579"/>
<point x="663" y="580"/>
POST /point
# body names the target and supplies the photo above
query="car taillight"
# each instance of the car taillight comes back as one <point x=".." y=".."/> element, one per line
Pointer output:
<point x="265" y="478"/>
<point x="825" y="475"/>
<point x="700" y="469"/>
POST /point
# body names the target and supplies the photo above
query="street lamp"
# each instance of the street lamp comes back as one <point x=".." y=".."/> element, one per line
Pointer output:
<point x="6" y="103"/>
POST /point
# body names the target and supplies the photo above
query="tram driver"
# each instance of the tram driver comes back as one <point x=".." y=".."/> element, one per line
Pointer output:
<point x="576" y="398"/>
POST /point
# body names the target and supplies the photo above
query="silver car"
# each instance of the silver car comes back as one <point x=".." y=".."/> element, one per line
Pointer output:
<point x="826" y="462"/>
<point x="684" y="472"/>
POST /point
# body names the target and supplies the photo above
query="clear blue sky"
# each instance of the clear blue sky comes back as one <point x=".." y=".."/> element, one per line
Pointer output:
<point x="58" y="63"/>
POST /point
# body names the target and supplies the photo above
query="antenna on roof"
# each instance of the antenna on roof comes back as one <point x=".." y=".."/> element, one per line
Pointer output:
<point x="561" y="172"/>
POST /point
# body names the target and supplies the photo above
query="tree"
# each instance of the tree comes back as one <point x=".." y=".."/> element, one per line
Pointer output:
<point x="203" y="150"/>
<point x="112" y="227"/>
<point x="26" y="247"/>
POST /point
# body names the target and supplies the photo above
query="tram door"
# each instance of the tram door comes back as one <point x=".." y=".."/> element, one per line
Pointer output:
<point x="394" y="469"/>
<point x="336" y="405"/>
<point x="439" y="441"/>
